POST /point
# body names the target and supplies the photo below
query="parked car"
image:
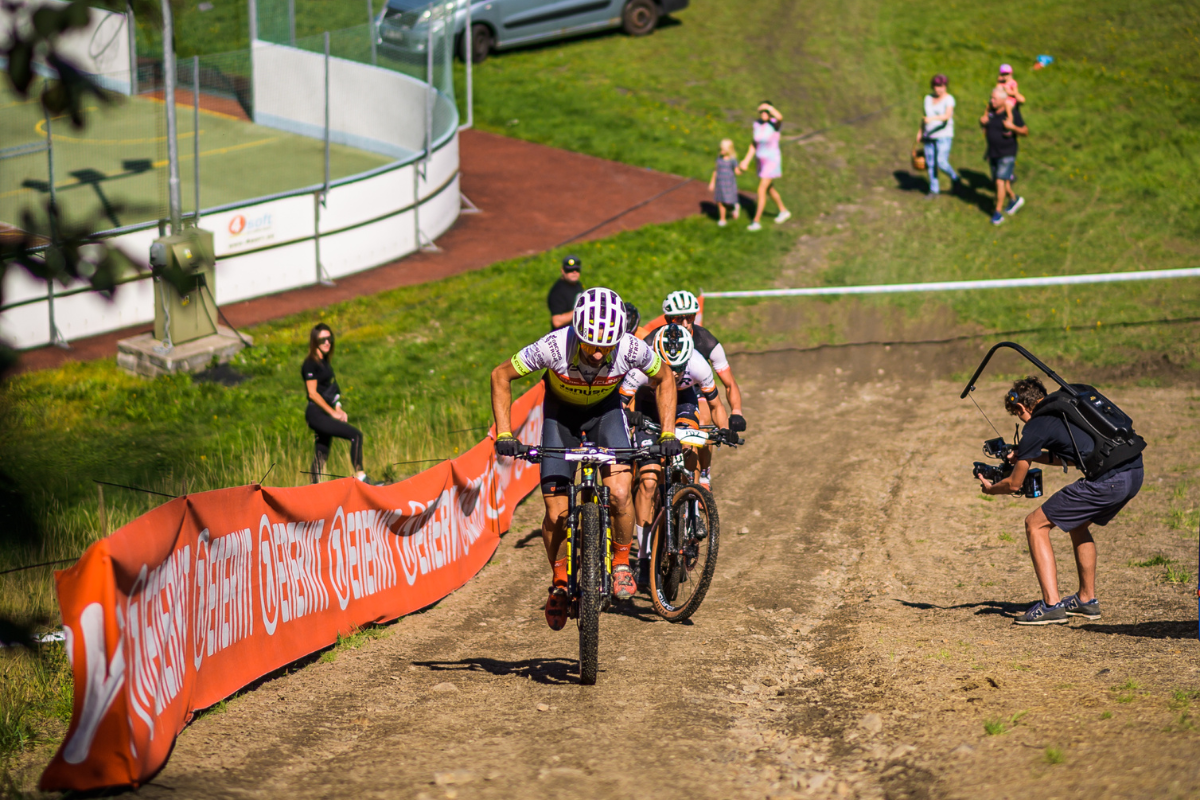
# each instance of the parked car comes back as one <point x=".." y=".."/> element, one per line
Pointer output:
<point x="501" y="24"/>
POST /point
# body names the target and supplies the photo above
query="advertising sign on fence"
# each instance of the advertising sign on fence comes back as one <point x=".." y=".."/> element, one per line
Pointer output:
<point x="206" y="593"/>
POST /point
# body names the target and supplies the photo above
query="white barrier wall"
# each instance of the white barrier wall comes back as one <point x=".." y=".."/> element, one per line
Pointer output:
<point x="370" y="108"/>
<point x="262" y="248"/>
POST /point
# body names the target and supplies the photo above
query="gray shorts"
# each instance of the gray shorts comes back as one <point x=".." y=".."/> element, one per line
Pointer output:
<point x="1094" y="502"/>
<point x="1002" y="168"/>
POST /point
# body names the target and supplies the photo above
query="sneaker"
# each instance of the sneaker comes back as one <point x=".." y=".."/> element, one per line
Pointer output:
<point x="643" y="575"/>
<point x="1076" y="608"/>
<point x="624" y="586"/>
<point x="783" y="217"/>
<point x="754" y="226"/>
<point x="721" y="223"/>
<point x="1014" y="206"/>
<point x="997" y="218"/>
<point x="557" y="606"/>
<point x="706" y="478"/>
<point x="1041" y="614"/>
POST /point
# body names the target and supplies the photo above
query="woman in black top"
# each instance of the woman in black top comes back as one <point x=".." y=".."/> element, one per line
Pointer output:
<point x="324" y="413"/>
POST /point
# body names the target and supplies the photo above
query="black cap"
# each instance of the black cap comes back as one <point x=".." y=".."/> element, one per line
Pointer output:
<point x="572" y="264"/>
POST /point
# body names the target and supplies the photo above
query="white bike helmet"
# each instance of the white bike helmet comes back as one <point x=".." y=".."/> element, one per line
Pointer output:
<point x="599" y="317"/>
<point x="674" y="344"/>
<point x="681" y="304"/>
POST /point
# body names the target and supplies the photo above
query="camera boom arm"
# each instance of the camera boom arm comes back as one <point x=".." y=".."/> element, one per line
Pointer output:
<point x="1032" y="359"/>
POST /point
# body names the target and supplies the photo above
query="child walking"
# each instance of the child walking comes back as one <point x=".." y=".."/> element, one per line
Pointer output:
<point x="723" y="183"/>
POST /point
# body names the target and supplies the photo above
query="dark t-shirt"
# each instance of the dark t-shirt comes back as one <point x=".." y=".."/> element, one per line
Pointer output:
<point x="704" y="340"/>
<point x="562" y="297"/>
<point x="1000" y="140"/>
<point x="321" y="371"/>
<point x="1050" y="434"/>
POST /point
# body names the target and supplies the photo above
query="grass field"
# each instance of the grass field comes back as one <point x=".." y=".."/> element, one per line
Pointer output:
<point x="114" y="171"/>
<point x="1110" y="172"/>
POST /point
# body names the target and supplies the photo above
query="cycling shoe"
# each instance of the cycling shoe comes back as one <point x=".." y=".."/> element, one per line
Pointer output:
<point x="557" y="606"/>
<point x="623" y="584"/>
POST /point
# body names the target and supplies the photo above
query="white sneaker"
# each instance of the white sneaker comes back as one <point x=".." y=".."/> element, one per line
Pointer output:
<point x="754" y="226"/>
<point x="721" y="223"/>
<point x="705" y="479"/>
<point x="783" y="216"/>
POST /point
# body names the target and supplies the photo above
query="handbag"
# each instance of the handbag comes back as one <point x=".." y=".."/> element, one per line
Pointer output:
<point x="918" y="158"/>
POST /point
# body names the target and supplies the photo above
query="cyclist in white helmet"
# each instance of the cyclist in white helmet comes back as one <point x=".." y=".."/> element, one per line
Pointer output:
<point x="585" y="364"/>
<point x="693" y="380"/>
<point x="681" y="308"/>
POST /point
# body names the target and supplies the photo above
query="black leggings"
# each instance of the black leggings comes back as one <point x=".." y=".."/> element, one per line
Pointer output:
<point x="326" y="427"/>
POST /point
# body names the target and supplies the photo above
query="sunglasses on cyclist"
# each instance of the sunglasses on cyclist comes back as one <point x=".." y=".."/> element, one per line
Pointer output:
<point x="678" y="320"/>
<point x="592" y="349"/>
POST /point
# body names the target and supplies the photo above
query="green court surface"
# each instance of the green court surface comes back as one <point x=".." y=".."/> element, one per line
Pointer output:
<point x="113" y="171"/>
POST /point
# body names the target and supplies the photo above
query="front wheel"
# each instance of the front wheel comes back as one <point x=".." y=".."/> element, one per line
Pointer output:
<point x="591" y="571"/>
<point x="679" y="580"/>
<point x="482" y="41"/>
<point x="639" y="18"/>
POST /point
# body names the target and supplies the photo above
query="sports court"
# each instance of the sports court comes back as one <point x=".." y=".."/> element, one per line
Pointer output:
<point x="113" y="172"/>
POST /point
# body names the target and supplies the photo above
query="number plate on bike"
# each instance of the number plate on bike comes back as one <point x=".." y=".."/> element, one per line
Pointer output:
<point x="591" y="456"/>
<point x="691" y="436"/>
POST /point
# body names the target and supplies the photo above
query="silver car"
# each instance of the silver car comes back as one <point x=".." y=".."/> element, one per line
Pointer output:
<point x="501" y="24"/>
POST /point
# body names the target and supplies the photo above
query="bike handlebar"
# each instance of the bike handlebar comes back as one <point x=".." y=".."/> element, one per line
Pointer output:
<point x="722" y="439"/>
<point x="534" y="453"/>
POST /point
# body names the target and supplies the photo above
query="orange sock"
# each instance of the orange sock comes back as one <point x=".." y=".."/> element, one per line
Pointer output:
<point x="621" y="554"/>
<point x="560" y="572"/>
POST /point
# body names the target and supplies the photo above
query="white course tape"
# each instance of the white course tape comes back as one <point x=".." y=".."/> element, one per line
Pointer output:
<point x="954" y="286"/>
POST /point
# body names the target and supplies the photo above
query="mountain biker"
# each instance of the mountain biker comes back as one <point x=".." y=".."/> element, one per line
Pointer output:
<point x="681" y="308"/>
<point x="693" y="380"/>
<point x="585" y="364"/>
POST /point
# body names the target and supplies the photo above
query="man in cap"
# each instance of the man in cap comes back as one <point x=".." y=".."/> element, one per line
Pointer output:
<point x="564" y="292"/>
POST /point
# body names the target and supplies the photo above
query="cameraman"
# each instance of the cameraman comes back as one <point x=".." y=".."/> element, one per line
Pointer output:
<point x="1048" y="440"/>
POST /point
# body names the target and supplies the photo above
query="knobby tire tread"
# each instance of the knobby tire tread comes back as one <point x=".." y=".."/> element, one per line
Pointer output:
<point x="706" y="571"/>
<point x="591" y="569"/>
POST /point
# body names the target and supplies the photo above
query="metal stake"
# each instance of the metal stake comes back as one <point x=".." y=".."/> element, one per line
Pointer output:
<point x="196" y="131"/>
<point x="292" y="22"/>
<point x="371" y="29"/>
<point x="174" y="201"/>
<point x="252" y="13"/>
<point x="131" y="24"/>
<point x="326" y="191"/>
<point x="469" y="47"/>
<point x="56" y="337"/>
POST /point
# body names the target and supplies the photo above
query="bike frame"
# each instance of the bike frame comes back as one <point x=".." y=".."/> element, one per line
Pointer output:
<point x="590" y="489"/>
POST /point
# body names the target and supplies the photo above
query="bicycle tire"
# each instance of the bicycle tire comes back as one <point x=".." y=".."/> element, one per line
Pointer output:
<point x="666" y="571"/>
<point x="591" y="569"/>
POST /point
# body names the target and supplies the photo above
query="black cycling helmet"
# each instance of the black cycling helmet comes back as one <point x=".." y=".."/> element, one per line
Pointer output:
<point x="632" y="317"/>
<point x="572" y="264"/>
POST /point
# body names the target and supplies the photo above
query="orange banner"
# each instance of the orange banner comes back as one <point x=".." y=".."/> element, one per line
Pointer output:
<point x="206" y="593"/>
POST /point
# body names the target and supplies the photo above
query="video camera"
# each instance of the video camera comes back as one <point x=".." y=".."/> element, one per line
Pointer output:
<point x="998" y="448"/>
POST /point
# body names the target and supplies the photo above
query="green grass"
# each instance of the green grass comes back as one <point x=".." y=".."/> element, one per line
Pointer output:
<point x="1054" y="755"/>
<point x="994" y="727"/>
<point x="1177" y="575"/>
<point x="1157" y="561"/>
<point x="114" y="171"/>
<point x="1127" y="692"/>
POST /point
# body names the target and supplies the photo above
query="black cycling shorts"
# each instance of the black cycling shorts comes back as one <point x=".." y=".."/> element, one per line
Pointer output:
<point x="686" y="404"/>
<point x="563" y="425"/>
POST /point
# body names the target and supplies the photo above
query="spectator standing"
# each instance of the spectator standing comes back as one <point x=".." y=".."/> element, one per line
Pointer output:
<point x="770" y="161"/>
<point x="1002" y="125"/>
<point x="723" y="183"/>
<point x="937" y="133"/>
<point x="561" y="299"/>
<point x="324" y="413"/>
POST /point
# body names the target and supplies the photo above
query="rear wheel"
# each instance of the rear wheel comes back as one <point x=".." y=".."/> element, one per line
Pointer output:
<point x="591" y="570"/>
<point x="639" y="18"/>
<point x="679" y="580"/>
<point x="482" y="42"/>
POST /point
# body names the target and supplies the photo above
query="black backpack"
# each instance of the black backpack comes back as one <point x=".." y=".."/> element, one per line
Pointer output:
<point x="1083" y="406"/>
<point x="1111" y="428"/>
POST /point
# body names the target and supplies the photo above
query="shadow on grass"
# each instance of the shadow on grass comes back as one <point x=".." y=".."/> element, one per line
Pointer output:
<point x="550" y="671"/>
<point x="1161" y="629"/>
<point x="967" y="191"/>
<point x="746" y="204"/>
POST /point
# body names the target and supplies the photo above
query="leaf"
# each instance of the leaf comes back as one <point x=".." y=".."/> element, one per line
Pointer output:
<point x="76" y="14"/>
<point x="48" y="22"/>
<point x="20" y="66"/>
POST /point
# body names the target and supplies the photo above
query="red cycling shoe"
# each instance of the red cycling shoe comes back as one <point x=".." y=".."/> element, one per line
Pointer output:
<point x="624" y="587"/>
<point x="558" y="605"/>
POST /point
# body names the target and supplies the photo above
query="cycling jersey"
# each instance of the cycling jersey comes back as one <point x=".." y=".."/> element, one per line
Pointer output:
<point x="708" y="346"/>
<point x="696" y="374"/>
<point x="577" y="383"/>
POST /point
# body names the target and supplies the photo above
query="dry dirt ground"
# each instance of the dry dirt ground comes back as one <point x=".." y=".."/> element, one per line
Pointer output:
<point x="857" y="640"/>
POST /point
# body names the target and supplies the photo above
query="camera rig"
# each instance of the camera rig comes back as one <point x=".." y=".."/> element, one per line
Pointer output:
<point x="998" y="448"/>
<point x="1077" y="404"/>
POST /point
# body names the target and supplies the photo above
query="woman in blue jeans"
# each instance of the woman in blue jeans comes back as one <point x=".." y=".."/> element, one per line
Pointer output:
<point x="937" y="132"/>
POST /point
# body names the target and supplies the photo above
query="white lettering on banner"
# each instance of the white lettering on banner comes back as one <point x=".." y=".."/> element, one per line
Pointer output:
<point x="157" y="614"/>
<point x="438" y="534"/>
<point x="104" y="680"/>
<point x="505" y="472"/>
<point x="360" y="561"/>
<point x="290" y="585"/>
<point x="223" y="603"/>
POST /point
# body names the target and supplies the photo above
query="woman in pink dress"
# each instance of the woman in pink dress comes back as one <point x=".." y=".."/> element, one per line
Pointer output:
<point x="770" y="161"/>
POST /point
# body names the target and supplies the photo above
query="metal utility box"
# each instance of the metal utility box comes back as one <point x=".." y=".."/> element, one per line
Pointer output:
<point x="191" y="315"/>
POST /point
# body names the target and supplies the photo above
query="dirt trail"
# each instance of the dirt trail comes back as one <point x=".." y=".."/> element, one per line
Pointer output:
<point x="853" y="643"/>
